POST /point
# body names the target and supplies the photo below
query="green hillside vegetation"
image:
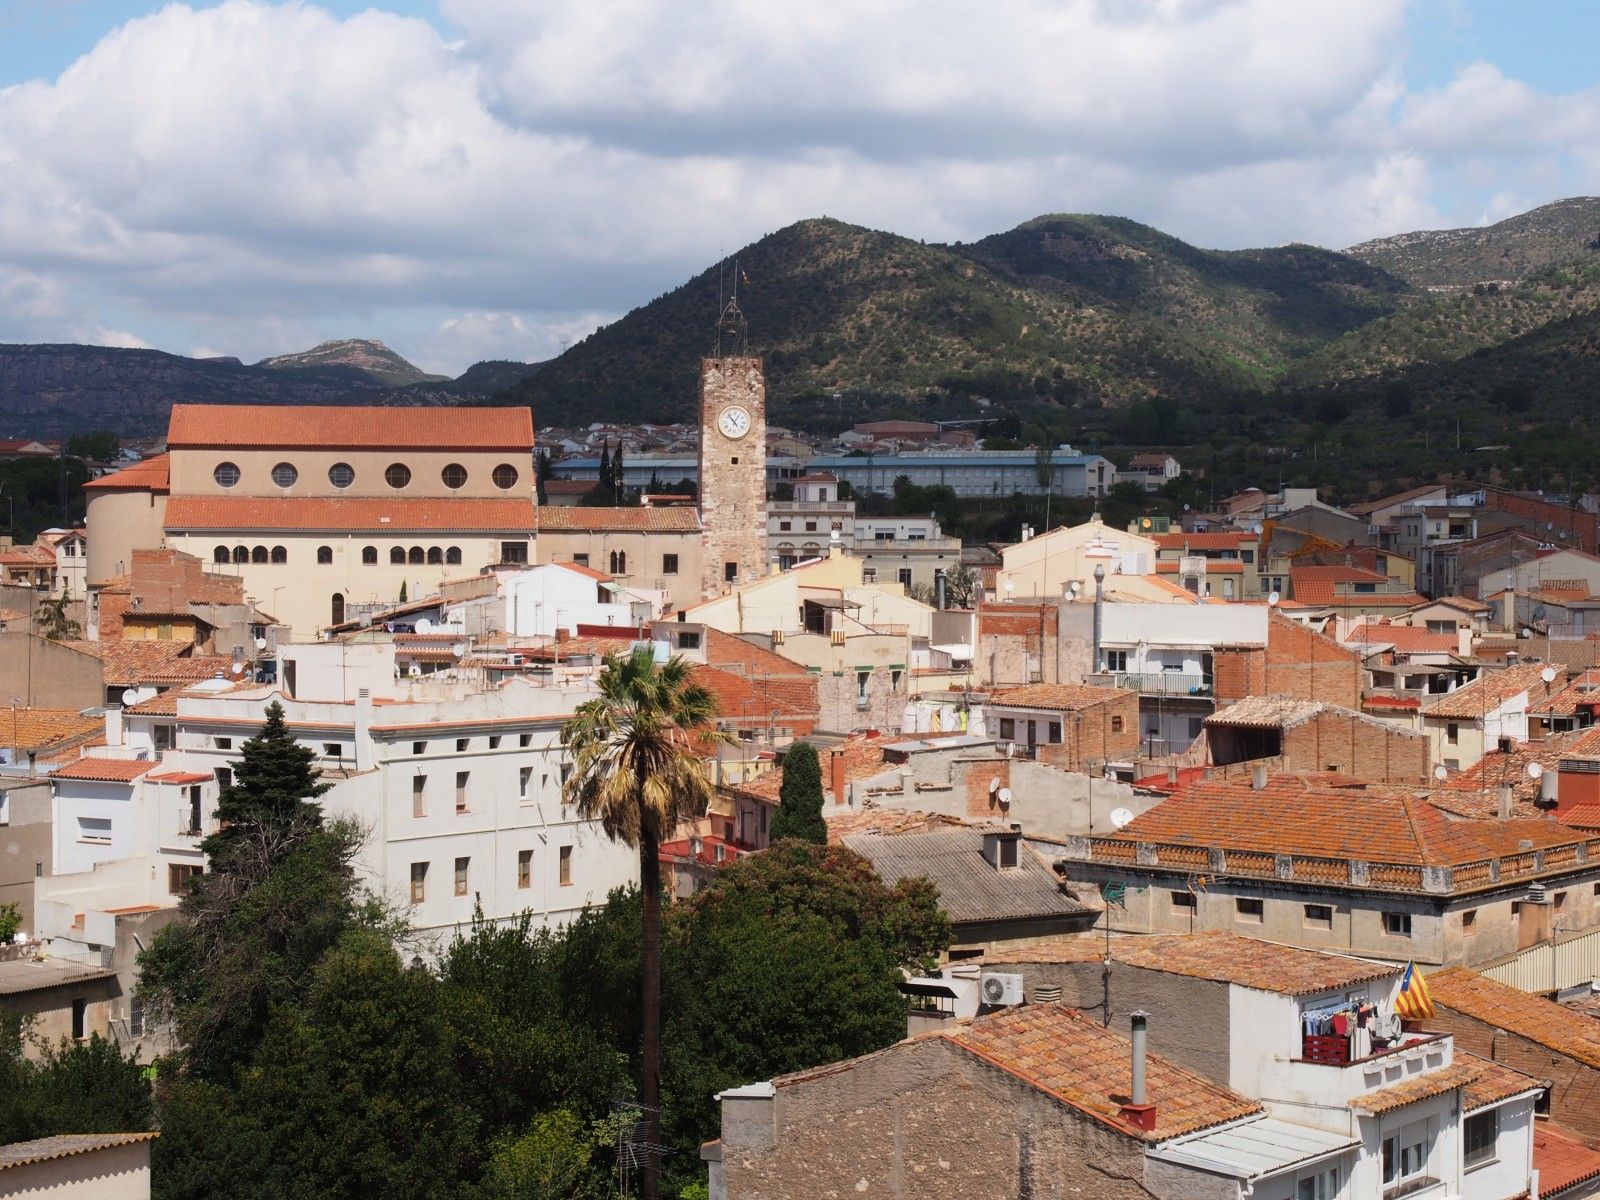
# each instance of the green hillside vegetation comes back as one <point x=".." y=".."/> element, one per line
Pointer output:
<point x="1508" y="250"/>
<point x="1063" y="312"/>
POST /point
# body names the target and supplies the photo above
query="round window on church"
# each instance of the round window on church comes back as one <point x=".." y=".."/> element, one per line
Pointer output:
<point x="505" y="477"/>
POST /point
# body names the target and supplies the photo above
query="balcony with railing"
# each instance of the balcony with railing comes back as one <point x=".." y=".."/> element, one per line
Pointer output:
<point x="1154" y="683"/>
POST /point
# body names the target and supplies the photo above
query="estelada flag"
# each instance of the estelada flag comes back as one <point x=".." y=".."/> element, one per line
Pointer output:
<point x="1413" y="1002"/>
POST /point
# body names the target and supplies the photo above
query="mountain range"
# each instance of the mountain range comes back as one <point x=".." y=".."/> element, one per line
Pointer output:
<point x="1066" y="320"/>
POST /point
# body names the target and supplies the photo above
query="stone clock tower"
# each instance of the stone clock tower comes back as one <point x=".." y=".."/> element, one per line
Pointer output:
<point x="733" y="465"/>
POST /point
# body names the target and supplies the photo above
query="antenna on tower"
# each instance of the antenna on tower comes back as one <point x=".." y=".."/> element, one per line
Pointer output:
<point x="732" y="329"/>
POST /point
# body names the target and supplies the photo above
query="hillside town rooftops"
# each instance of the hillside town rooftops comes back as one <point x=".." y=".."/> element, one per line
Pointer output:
<point x="1487" y="692"/>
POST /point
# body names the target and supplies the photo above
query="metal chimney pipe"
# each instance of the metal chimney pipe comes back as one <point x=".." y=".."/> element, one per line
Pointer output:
<point x="1140" y="1020"/>
<point x="938" y="580"/>
<point x="1099" y="606"/>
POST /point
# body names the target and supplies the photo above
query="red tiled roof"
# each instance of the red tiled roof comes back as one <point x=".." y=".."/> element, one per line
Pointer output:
<point x="1087" y="1067"/>
<point x="1307" y="816"/>
<point x="1057" y="697"/>
<point x="151" y="474"/>
<point x="1562" y="1157"/>
<point x="438" y="515"/>
<point x="580" y="569"/>
<point x="104" y="770"/>
<point x="1488" y="691"/>
<point x="1419" y="1087"/>
<point x="1582" y="690"/>
<point x="1214" y="566"/>
<point x="862" y="757"/>
<point x="1541" y="1021"/>
<point x="41" y="728"/>
<point x="1203" y="541"/>
<point x="675" y="518"/>
<point x="182" y="777"/>
<point x="744" y="699"/>
<point x="328" y="427"/>
<point x="1321" y="585"/>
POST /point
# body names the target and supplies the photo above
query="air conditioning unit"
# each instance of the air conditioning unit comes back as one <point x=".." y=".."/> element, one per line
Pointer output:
<point x="997" y="989"/>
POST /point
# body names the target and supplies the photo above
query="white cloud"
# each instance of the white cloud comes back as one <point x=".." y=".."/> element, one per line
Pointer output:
<point x="254" y="177"/>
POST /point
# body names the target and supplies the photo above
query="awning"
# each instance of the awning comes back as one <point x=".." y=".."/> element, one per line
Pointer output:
<point x="1254" y="1149"/>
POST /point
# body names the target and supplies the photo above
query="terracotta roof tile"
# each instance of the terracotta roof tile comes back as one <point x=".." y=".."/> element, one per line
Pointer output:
<point x="863" y="757"/>
<point x="1563" y="1158"/>
<point x="1327" y="586"/>
<point x="1582" y="690"/>
<point x="1489" y="690"/>
<point x="1056" y="697"/>
<point x="1286" y="712"/>
<point x="1204" y="541"/>
<point x="105" y="770"/>
<point x="1533" y="1017"/>
<point x="1218" y="955"/>
<point x="1418" y="1087"/>
<point x="65" y="1145"/>
<point x="43" y="728"/>
<point x="1474" y="792"/>
<point x="150" y="474"/>
<point x="1088" y="1068"/>
<point x="1313" y="817"/>
<point x="320" y="427"/>
<point x="437" y="515"/>
<point x="128" y="663"/>
<point x="675" y="518"/>
<point x="1493" y="1082"/>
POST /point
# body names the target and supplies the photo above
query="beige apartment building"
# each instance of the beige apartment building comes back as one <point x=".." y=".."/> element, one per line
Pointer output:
<point x="320" y="509"/>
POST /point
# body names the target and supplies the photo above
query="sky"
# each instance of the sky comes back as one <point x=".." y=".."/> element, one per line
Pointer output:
<point x="471" y="179"/>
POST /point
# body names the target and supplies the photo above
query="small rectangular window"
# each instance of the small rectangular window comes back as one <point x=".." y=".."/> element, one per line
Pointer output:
<point x="494" y="742"/>
<point x="80" y="1019"/>
<point x="461" y="790"/>
<point x="566" y="866"/>
<point x="1397" y="924"/>
<point x="1452" y="732"/>
<point x="1054" y="733"/>
<point x="1478" y="1136"/>
<point x="689" y="640"/>
<point x="461" y="875"/>
<point x="462" y="744"/>
<point x="669" y="564"/>
<point x="96" y="831"/>
<point x="224" y="777"/>
<point x="580" y="560"/>
<point x="1469" y="918"/>
<point x="730" y="572"/>
<point x="523" y="777"/>
<point x="180" y="878"/>
<point x="1184" y="900"/>
<point x="332" y="750"/>
<point x="1251" y="910"/>
<point x="1008" y="728"/>
<point x="1319" y="916"/>
<point x="419" y="747"/>
<point x="419" y="882"/>
<point x="524" y="869"/>
<point x="419" y="795"/>
<point x="224" y="743"/>
<point x="524" y="740"/>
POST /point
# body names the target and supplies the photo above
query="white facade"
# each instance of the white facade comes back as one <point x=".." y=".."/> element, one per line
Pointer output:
<point x="540" y="600"/>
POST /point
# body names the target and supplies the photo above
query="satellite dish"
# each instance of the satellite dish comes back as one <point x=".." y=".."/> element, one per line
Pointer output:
<point x="237" y="668"/>
<point x="424" y="625"/>
<point x="1441" y="773"/>
<point x="1004" y="796"/>
<point x="129" y="698"/>
<point x="1548" y="674"/>
<point x="1535" y="770"/>
<point x="1121" y="818"/>
<point x="994" y="785"/>
<point x="261" y="643"/>
<point x="1256" y="528"/>
<point x="1526" y="632"/>
<point x="1272" y="600"/>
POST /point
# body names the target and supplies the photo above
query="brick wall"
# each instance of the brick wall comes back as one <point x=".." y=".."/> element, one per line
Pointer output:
<point x="923" y="1119"/>
<point x="1089" y="739"/>
<point x="1574" y="1087"/>
<point x="1352" y="746"/>
<point x="1237" y="672"/>
<point x="1308" y="666"/>
<point x="1582" y="529"/>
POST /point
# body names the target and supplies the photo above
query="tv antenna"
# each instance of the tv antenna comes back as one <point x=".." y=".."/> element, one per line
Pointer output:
<point x="732" y="329"/>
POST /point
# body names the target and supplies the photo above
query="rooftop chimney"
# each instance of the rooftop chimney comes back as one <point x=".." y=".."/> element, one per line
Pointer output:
<point x="1504" y="809"/>
<point x="1549" y="784"/>
<point x="1258" y="779"/>
<point x="836" y="775"/>
<point x="113" y="725"/>
<point x="363" y="729"/>
<point x="1139" y="1112"/>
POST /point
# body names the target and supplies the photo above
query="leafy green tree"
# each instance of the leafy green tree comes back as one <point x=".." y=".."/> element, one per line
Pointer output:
<point x="553" y="1160"/>
<point x="637" y="769"/>
<point x="53" y="621"/>
<point x="99" y="446"/>
<point x="83" y="1087"/>
<point x="10" y="922"/>
<point x="799" y="812"/>
<point x="279" y="894"/>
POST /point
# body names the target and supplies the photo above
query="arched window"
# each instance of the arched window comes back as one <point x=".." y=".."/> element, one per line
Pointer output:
<point x="369" y="555"/>
<point x="453" y="556"/>
<point x="436" y="556"/>
<point x="259" y="555"/>
<point x="241" y="554"/>
<point x="324" y="554"/>
<point x="281" y="555"/>
<point x="220" y="554"/>
<point x="337" y="609"/>
<point x="416" y="555"/>
<point x="397" y="556"/>
<point x="619" y="562"/>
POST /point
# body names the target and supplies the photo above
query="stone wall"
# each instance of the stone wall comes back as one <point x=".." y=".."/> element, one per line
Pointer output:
<point x="733" y="474"/>
<point x="1575" y="1086"/>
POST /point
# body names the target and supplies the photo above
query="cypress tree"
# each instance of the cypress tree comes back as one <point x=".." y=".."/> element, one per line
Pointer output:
<point x="799" y="812"/>
<point x="273" y="791"/>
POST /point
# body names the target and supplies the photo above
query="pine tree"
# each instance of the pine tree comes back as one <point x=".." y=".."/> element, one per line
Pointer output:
<point x="799" y="812"/>
<point x="272" y="794"/>
<point x="616" y="476"/>
<point x="605" y="465"/>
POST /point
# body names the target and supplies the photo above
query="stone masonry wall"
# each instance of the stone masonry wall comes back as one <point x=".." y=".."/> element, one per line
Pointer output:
<point x="733" y="473"/>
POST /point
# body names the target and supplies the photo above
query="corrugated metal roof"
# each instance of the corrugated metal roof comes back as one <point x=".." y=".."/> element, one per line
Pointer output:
<point x="1255" y="1149"/>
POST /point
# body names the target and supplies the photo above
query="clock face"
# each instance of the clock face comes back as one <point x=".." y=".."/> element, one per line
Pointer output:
<point x="733" y="421"/>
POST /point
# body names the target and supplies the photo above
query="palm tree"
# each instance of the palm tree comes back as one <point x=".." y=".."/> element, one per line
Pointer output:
<point x="637" y="752"/>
